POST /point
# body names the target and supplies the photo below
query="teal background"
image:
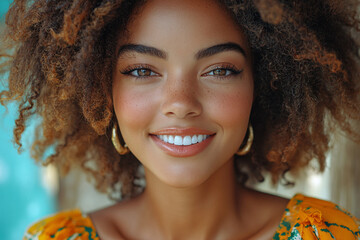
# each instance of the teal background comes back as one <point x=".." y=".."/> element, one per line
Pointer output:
<point x="4" y="5"/>
<point x="23" y="197"/>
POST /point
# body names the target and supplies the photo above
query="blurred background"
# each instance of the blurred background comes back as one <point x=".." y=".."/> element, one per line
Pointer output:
<point x="27" y="191"/>
<point x="30" y="192"/>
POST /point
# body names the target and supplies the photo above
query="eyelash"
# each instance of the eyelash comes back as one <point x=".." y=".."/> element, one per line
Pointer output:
<point x="130" y="70"/>
<point x="231" y="70"/>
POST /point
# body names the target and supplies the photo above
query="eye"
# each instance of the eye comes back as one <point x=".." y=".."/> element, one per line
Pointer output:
<point x="223" y="71"/>
<point x="220" y="72"/>
<point x="139" y="72"/>
<point x="142" y="72"/>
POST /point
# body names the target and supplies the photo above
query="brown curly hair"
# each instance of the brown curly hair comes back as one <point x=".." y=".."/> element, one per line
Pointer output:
<point x="305" y="58"/>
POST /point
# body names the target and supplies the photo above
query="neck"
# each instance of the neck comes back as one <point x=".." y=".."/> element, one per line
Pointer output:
<point x="201" y="211"/>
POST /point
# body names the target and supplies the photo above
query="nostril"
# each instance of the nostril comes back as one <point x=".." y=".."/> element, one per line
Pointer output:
<point x="181" y="111"/>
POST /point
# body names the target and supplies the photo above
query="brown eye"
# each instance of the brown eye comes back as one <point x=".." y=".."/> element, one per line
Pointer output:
<point x="143" y="72"/>
<point x="140" y="72"/>
<point x="220" y="72"/>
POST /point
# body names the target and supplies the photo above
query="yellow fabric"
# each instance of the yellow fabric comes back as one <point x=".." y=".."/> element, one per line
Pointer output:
<point x="304" y="218"/>
<point x="312" y="219"/>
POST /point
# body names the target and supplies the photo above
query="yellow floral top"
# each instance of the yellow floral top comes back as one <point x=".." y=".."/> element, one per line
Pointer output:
<point x="304" y="218"/>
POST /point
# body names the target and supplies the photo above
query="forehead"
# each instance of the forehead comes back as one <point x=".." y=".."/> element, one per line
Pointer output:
<point x="183" y="23"/>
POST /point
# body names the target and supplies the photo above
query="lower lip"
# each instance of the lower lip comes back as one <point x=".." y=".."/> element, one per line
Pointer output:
<point x="181" y="150"/>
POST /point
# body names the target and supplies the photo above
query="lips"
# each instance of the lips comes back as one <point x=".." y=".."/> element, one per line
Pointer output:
<point x="182" y="142"/>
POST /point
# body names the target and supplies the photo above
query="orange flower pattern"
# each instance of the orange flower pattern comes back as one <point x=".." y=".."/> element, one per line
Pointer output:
<point x="71" y="225"/>
<point x="308" y="218"/>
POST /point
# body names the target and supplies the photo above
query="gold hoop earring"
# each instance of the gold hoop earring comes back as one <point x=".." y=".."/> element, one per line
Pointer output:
<point x="246" y="149"/>
<point x="122" y="150"/>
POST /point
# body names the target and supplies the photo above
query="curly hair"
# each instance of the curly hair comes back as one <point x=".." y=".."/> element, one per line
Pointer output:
<point x="305" y="58"/>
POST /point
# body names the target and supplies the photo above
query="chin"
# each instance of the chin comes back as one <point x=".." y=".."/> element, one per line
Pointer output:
<point x="180" y="177"/>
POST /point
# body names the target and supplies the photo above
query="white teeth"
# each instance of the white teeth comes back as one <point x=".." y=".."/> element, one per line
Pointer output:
<point x="186" y="140"/>
<point x="178" y="140"/>
<point x="200" y="138"/>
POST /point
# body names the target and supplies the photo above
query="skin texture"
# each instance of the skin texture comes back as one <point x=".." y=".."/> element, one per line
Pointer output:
<point x="199" y="193"/>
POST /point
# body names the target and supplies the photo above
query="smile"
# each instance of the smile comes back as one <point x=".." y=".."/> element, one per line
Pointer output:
<point x="182" y="140"/>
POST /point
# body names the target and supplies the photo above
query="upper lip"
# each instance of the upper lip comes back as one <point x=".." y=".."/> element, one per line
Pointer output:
<point x="189" y="131"/>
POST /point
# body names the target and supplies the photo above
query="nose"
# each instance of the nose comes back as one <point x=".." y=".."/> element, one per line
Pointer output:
<point x="181" y="98"/>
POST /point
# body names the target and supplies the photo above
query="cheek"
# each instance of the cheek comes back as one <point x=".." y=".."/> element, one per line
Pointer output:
<point x="232" y="108"/>
<point x="231" y="112"/>
<point x="133" y="108"/>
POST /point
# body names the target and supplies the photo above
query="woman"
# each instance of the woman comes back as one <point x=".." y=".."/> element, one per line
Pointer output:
<point x="203" y="94"/>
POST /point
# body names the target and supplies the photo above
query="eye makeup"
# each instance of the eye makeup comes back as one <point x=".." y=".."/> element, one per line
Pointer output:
<point x="139" y="71"/>
<point x="223" y="71"/>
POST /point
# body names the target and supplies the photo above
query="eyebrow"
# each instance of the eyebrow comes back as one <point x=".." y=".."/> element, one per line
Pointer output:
<point x="203" y="53"/>
<point x="207" y="52"/>
<point x="142" y="49"/>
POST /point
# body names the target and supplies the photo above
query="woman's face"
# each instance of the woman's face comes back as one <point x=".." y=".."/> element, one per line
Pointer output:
<point x="183" y="89"/>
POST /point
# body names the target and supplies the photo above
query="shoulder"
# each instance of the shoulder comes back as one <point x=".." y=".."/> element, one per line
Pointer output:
<point x="311" y="218"/>
<point x="64" y="225"/>
<point x="120" y="221"/>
